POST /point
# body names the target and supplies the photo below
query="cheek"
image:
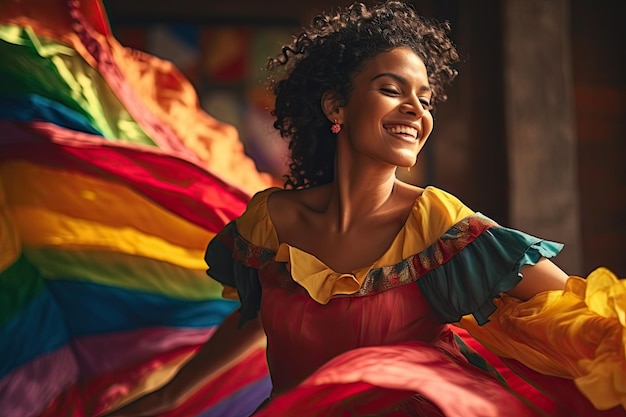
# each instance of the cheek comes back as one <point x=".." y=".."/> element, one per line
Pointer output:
<point x="427" y="124"/>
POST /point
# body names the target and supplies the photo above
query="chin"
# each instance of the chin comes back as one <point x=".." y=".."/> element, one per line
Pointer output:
<point x="409" y="162"/>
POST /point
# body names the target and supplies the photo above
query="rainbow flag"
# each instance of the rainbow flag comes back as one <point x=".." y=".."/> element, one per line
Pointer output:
<point x="112" y="182"/>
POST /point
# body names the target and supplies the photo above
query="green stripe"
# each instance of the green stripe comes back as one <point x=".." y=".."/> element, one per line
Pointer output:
<point x="475" y="359"/>
<point x="34" y="65"/>
<point x="126" y="271"/>
<point x="19" y="284"/>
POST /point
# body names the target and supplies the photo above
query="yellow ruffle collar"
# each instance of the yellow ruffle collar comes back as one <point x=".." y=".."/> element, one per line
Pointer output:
<point x="320" y="281"/>
<point x="433" y="213"/>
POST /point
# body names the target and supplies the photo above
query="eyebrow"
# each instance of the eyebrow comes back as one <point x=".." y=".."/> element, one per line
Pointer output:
<point x="400" y="79"/>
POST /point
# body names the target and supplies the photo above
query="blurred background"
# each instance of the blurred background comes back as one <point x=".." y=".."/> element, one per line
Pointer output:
<point x="532" y="134"/>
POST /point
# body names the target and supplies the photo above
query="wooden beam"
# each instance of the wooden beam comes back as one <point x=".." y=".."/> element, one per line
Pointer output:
<point x="540" y="124"/>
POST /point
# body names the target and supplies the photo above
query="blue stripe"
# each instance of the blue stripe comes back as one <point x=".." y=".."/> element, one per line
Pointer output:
<point x="91" y="308"/>
<point x="27" y="107"/>
<point x="35" y="330"/>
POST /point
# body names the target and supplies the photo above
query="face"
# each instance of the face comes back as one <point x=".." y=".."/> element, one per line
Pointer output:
<point x="387" y="117"/>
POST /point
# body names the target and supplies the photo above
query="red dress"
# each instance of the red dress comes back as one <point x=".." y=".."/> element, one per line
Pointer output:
<point x="377" y="341"/>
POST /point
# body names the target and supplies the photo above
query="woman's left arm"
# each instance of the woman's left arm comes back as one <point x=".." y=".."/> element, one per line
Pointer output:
<point x="543" y="276"/>
<point x="569" y="327"/>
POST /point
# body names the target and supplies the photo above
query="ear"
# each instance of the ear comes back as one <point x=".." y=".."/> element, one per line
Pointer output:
<point x="332" y="106"/>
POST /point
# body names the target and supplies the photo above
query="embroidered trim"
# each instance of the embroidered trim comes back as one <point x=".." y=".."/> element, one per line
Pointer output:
<point x="378" y="279"/>
<point x="416" y="266"/>
<point x="243" y="251"/>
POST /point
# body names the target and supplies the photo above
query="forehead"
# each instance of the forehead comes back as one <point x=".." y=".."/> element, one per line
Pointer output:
<point x="402" y="61"/>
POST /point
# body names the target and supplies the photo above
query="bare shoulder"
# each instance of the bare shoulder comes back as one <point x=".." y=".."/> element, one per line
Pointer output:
<point x="286" y="201"/>
<point x="289" y="208"/>
<point x="279" y="204"/>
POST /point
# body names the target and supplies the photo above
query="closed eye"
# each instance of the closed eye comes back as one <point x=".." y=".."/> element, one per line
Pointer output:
<point x="425" y="104"/>
<point x="390" y="91"/>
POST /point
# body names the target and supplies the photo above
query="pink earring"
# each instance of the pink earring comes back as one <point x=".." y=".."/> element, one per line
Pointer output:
<point x="336" y="127"/>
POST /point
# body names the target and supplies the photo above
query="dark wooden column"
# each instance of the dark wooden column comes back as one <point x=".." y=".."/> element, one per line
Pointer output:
<point x="540" y="124"/>
<point x="469" y="143"/>
<point x="599" y="65"/>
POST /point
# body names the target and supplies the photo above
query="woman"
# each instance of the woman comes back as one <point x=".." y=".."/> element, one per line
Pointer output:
<point x="352" y="274"/>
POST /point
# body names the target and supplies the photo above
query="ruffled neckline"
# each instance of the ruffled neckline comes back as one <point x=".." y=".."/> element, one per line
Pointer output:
<point x="320" y="281"/>
<point x="433" y="208"/>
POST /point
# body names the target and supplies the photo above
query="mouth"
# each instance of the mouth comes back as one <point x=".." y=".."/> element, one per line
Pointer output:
<point x="403" y="131"/>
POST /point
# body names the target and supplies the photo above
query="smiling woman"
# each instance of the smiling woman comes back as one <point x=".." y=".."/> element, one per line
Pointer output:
<point x="355" y="276"/>
<point x="352" y="277"/>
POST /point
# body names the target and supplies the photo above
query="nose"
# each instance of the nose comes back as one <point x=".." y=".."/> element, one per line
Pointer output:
<point x="413" y="108"/>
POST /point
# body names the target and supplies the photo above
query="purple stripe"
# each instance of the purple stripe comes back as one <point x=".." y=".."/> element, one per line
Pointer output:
<point x="127" y="348"/>
<point x="27" y="390"/>
<point x="242" y="402"/>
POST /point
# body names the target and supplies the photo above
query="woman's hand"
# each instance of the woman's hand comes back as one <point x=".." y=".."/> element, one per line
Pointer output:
<point x="227" y="344"/>
<point x="150" y="405"/>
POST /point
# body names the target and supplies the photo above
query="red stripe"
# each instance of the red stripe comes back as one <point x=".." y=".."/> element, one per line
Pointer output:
<point x="250" y="370"/>
<point x="94" y="397"/>
<point x="180" y="186"/>
<point x="442" y="250"/>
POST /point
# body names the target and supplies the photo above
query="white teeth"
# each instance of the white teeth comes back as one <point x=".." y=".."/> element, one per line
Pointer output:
<point x="401" y="129"/>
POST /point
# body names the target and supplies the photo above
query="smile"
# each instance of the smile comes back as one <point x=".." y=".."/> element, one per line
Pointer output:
<point x="403" y="130"/>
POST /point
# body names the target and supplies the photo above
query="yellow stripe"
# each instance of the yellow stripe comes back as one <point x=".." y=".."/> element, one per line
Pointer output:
<point x="93" y="200"/>
<point x="9" y="238"/>
<point x="42" y="227"/>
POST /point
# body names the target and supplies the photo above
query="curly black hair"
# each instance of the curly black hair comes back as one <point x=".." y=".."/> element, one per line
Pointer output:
<point x="326" y="55"/>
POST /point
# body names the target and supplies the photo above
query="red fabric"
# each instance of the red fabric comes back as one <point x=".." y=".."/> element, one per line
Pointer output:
<point x="403" y="379"/>
<point x="52" y="17"/>
<point x="94" y="397"/>
<point x="384" y="380"/>
<point x="558" y="397"/>
<point x="393" y="316"/>
<point x="368" y="367"/>
<point x="563" y="392"/>
<point x="514" y="381"/>
<point x="249" y="370"/>
<point x="375" y="369"/>
<point x="178" y="185"/>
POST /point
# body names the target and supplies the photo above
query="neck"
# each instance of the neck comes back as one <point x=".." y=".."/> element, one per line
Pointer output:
<point x="360" y="190"/>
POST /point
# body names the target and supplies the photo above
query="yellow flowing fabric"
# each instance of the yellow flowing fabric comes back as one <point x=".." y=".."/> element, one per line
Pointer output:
<point x="576" y="333"/>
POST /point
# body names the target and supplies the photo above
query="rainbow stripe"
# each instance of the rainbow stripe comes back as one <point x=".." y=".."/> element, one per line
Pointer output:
<point x="106" y="206"/>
